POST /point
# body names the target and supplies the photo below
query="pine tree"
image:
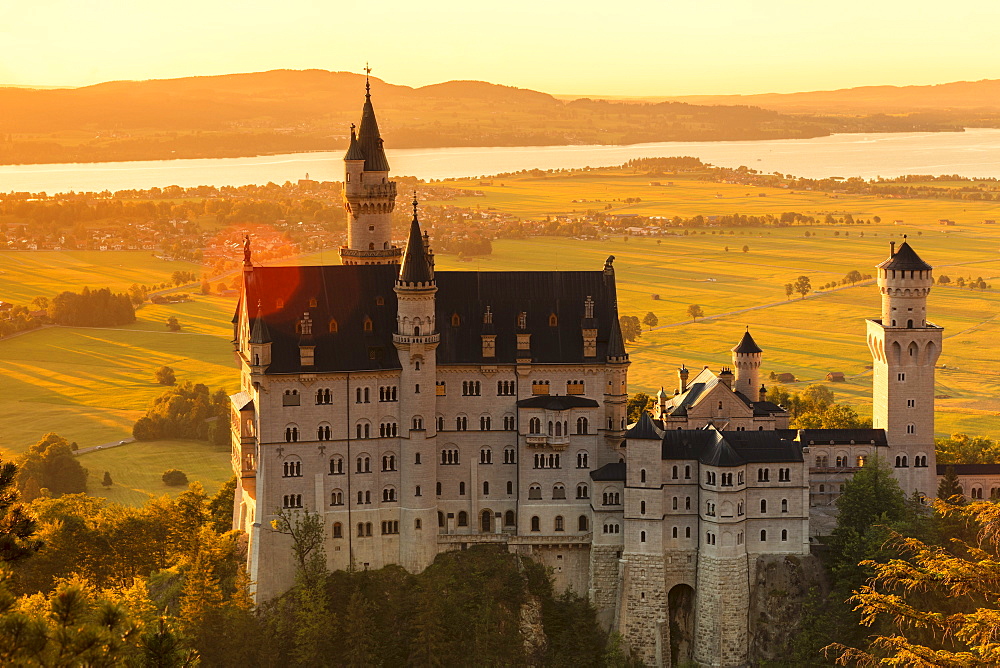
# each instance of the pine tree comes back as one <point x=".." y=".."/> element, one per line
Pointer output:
<point x="949" y="488"/>
<point x="17" y="526"/>
<point x="107" y="482"/>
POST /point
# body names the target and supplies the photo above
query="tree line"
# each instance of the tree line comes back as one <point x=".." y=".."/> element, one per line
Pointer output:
<point x="91" y="308"/>
<point x="187" y="411"/>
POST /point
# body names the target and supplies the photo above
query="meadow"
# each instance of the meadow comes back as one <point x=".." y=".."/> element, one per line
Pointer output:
<point x="90" y="385"/>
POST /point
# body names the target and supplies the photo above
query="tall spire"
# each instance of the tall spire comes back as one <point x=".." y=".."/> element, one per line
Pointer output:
<point x="415" y="268"/>
<point x="369" y="138"/>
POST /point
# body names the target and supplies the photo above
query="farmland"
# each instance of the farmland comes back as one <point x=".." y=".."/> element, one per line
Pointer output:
<point x="89" y="385"/>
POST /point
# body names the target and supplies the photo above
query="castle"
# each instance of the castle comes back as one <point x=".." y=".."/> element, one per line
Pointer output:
<point x="419" y="411"/>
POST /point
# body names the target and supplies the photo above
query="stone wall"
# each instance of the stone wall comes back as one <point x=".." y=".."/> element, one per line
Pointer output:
<point x="721" y="601"/>
<point x="604" y="583"/>
<point x="643" y="614"/>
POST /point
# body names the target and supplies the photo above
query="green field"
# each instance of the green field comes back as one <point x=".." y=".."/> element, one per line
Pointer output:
<point x="554" y="194"/>
<point x="89" y="385"/>
<point x="25" y="275"/>
<point x="136" y="469"/>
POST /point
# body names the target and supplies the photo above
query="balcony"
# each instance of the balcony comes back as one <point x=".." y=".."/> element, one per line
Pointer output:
<point x="394" y="252"/>
<point x="408" y="339"/>
<point x="544" y="439"/>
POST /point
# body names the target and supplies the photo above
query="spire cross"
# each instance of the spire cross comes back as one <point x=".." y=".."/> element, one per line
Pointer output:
<point x="368" y="84"/>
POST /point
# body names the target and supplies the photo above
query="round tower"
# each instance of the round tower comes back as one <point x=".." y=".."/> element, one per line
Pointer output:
<point x="369" y="195"/>
<point x="905" y="348"/>
<point x="904" y="281"/>
<point x="746" y="359"/>
<point x="416" y="340"/>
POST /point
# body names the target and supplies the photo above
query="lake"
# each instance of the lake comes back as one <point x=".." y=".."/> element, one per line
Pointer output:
<point x="975" y="152"/>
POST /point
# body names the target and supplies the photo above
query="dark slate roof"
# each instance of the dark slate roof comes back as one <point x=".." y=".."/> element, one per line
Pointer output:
<point x="970" y="469"/>
<point x="644" y="429"/>
<point x="747" y="345"/>
<point x="764" y="408"/>
<point x="259" y="333"/>
<point x="905" y="259"/>
<point x="415" y="268"/>
<point x="557" y="403"/>
<point x="349" y="295"/>
<point x="370" y="141"/>
<point x="839" y="436"/>
<point x="609" y="472"/>
<point x="730" y="448"/>
<point x="354" y="150"/>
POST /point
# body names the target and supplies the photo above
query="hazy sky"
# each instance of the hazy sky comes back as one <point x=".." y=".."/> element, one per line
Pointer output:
<point x="628" y="47"/>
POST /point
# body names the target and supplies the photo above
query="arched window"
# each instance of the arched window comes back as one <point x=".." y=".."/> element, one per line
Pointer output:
<point x="463" y="519"/>
<point x="461" y="489"/>
<point x="438" y="489"/>
<point x="763" y="535"/>
<point x="536" y="524"/>
<point x="559" y="523"/>
<point x="642" y="507"/>
<point x="674" y="533"/>
<point x="553" y="320"/>
<point x="368" y="325"/>
<point x="674" y="507"/>
<point x="336" y="466"/>
<point x="389" y="494"/>
<point x="784" y="534"/>
<point x="784" y="505"/>
<point x="510" y="487"/>
<point x="673" y="473"/>
<point x="642" y="475"/>
<point x="485" y="521"/>
<point x="535" y="492"/>
<point x="558" y="492"/>
<point x="333" y="327"/>
<point x="486" y="488"/>
<point x="336" y="498"/>
<point x="582" y="460"/>
<point x="455" y="320"/>
<point x="338" y="530"/>
<point x="687" y="472"/>
<point x="583" y="524"/>
<point x="642" y="536"/>
<point x="582" y="491"/>
<point x="509" y="518"/>
<point x="763" y="506"/>
<point x="581" y="425"/>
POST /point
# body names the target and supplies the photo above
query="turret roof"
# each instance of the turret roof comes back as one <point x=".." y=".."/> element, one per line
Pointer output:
<point x="369" y="139"/>
<point x="354" y="150"/>
<point x="747" y="345"/>
<point x="905" y="259"/>
<point x="415" y="267"/>
<point x="259" y="332"/>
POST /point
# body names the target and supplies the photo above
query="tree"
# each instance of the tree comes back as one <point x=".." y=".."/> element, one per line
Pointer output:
<point x="694" y="310"/>
<point x="174" y="477"/>
<point x="789" y="290"/>
<point x="172" y="324"/>
<point x="944" y="279"/>
<point x="206" y="287"/>
<point x="637" y="404"/>
<point x="949" y="489"/>
<point x="220" y="507"/>
<point x="165" y="376"/>
<point x="631" y="329"/>
<point x="50" y="464"/>
<point x="107" y="482"/>
<point x="650" y="320"/>
<point x="936" y="605"/>
<point x="802" y="286"/>
<point x="306" y="531"/>
<point x="965" y="449"/>
<point x="746" y="249"/>
<point x="17" y="525"/>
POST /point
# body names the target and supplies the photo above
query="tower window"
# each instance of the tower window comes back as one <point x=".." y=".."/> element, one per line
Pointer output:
<point x="901" y="376"/>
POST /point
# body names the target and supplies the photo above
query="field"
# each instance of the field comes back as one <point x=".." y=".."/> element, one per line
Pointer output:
<point x="90" y="385"/>
<point x="26" y="275"/>
<point x="136" y="469"/>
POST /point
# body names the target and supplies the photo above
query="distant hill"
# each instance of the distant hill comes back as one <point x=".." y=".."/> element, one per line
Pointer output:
<point x="285" y="111"/>
<point x="959" y="95"/>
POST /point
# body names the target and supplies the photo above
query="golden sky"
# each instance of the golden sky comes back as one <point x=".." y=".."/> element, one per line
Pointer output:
<point x="629" y="47"/>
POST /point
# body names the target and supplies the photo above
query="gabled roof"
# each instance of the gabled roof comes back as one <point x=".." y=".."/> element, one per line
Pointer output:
<point x="609" y="473"/>
<point x="905" y="259"/>
<point x="557" y="403"/>
<point x="747" y="345"/>
<point x="241" y="400"/>
<point x="350" y="295"/>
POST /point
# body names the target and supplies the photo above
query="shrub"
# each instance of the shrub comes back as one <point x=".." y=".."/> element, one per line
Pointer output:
<point x="174" y="477"/>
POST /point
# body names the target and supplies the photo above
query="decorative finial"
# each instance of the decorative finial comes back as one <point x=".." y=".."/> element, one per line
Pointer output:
<point x="904" y="237"/>
<point x="748" y="329"/>
<point x="353" y="126"/>
<point x="368" y="83"/>
<point x="414" y="203"/>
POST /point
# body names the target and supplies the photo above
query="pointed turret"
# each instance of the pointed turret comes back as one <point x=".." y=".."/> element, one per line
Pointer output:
<point x="415" y="270"/>
<point x="354" y="151"/>
<point x="259" y="332"/>
<point x="747" y="356"/>
<point x="369" y="139"/>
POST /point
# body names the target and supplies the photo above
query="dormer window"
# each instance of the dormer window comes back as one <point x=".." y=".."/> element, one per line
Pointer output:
<point x="379" y="301"/>
<point x="312" y="303"/>
<point x="553" y="320"/>
<point x="280" y="304"/>
<point x="368" y="326"/>
<point x="333" y="326"/>
<point x="455" y="320"/>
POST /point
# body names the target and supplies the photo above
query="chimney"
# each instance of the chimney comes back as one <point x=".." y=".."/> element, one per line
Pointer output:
<point x="682" y="377"/>
<point x="892" y="248"/>
<point x="726" y="377"/>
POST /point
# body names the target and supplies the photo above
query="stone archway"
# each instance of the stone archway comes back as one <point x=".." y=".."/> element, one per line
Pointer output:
<point x="680" y="605"/>
<point x="486" y="521"/>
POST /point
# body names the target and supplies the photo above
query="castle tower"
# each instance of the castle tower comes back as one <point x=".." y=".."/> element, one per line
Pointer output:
<point x="616" y="389"/>
<point x="369" y="195"/>
<point x="416" y="339"/>
<point x="746" y="360"/>
<point x="904" y="348"/>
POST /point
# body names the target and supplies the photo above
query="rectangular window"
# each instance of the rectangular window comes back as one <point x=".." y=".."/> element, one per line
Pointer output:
<point x="911" y="403"/>
<point x="440" y="388"/>
<point x="900" y="376"/>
